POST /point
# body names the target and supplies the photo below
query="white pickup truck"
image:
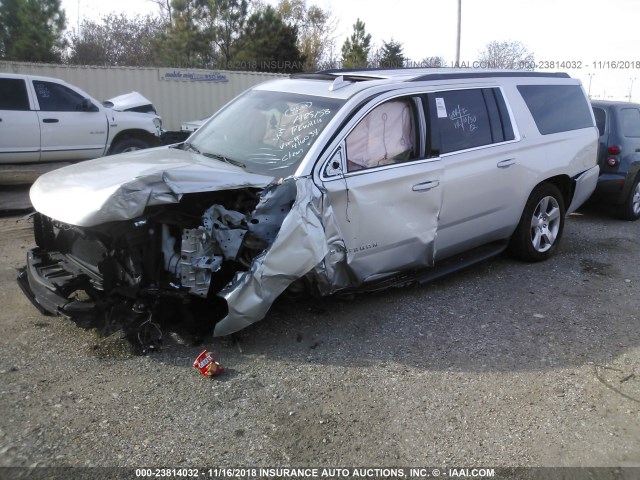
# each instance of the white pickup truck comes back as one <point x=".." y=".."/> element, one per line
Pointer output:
<point x="45" y="119"/>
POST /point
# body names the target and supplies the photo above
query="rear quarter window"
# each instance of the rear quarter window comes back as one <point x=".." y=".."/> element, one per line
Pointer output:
<point x="557" y="108"/>
<point x="630" y="122"/>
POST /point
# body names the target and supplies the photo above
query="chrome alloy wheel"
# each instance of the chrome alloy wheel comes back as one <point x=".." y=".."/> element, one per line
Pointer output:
<point x="635" y="200"/>
<point x="545" y="224"/>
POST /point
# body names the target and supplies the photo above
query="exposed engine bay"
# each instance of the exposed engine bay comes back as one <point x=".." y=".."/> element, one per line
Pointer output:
<point x="176" y="257"/>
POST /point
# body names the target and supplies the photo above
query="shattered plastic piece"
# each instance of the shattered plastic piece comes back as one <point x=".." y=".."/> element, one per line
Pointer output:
<point x="207" y="364"/>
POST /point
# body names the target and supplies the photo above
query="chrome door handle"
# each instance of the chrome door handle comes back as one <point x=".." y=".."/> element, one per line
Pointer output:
<point x="506" y="163"/>
<point x="425" y="186"/>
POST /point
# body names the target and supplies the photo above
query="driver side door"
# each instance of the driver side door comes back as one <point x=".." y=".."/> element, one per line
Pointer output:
<point x="68" y="132"/>
<point x="384" y="192"/>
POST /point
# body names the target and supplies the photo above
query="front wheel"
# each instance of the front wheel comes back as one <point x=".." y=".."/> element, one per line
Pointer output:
<point x="540" y="229"/>
<point x="129" y="145"/>
<point x="630" y="209"/>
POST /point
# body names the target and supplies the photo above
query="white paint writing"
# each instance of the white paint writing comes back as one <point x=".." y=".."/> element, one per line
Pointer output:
<point x="462" y="119"/>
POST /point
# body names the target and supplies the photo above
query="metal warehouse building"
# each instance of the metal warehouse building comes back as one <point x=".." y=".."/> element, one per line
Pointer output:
<point x="178" y="94"/>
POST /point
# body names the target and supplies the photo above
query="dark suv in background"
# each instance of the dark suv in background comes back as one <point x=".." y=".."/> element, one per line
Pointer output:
<point x="619" y="156"/>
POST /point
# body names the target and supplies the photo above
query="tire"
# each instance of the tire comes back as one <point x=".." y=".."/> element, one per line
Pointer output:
<point x="538" y="234"/>
<point x="630" y="209"/>
<point x="129" y="145"/>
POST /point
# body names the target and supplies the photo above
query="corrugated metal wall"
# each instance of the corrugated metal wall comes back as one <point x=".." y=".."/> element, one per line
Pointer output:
<point x="178" y="94"/>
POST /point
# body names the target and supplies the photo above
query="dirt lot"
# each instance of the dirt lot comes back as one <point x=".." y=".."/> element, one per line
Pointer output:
<point x="503" y="364"/>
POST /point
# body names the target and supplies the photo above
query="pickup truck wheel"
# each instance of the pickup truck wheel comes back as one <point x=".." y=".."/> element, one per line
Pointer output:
<point x="129" y="145"/>
<point x="630" y="209"/>
<point x="540" y="229"/>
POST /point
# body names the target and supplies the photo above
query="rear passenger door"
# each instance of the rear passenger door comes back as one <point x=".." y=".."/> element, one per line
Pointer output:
<point x="473" y="132"/>
<point x="19" y="129"/>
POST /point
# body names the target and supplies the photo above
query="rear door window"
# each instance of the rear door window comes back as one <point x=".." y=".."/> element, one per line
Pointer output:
<point x="464" y="119"/>
<point x="13" y="94"/>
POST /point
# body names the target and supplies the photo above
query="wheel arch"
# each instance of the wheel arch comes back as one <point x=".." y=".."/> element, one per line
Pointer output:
<point x="139" y="134"/>
<point x="564" y="184"/>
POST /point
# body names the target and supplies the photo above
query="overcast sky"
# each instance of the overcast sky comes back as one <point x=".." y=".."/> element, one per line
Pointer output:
<point x="602" y="38"/>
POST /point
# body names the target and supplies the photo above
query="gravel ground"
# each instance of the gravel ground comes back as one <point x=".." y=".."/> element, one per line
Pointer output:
<point x="504" y="364"/>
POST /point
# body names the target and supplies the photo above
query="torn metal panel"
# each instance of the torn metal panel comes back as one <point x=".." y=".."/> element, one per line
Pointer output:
<point x="299" y="246"/>
<point x="120" y="187"/>
<point x="333" y="273"/>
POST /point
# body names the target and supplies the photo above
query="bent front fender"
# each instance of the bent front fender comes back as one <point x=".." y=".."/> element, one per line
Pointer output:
<point x="299" y="246"/>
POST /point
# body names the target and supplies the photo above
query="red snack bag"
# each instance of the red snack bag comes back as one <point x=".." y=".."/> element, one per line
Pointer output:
<point x="207" y="365"/>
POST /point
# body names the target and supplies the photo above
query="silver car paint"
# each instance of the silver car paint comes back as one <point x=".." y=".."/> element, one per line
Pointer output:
<point x="334" y="232"/>
<point x="120" y="187"/>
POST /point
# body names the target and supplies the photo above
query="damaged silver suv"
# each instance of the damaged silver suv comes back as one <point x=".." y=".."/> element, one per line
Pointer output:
<point x="327" y="182"/>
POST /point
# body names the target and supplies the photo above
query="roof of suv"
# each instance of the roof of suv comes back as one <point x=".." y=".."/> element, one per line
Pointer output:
<point x="420" y="74"/>
<point x="345" y="83"/>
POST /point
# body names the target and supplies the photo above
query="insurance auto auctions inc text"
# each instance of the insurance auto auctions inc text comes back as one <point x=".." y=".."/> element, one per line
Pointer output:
<point x="390" y="473"/>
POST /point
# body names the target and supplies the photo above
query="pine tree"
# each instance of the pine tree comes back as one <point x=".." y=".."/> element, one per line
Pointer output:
<point x="32" y="30"/>
<point x="355" y="50"/>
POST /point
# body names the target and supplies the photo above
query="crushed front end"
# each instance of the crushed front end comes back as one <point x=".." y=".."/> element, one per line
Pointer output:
<point x="175" y="258"/>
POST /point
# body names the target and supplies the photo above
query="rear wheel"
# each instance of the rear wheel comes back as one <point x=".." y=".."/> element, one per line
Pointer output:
<point x="540" y="229"/>
<point x="630" y="209"/>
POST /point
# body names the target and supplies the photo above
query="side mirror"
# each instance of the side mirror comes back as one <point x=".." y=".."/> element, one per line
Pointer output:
<point x="86" y="105"/>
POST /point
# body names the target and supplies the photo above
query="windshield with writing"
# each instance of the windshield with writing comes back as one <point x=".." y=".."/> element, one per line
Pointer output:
<point x="265" y="132"/>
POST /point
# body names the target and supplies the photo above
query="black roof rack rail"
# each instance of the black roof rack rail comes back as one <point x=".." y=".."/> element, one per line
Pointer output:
<point x="363" y="74"/>
<point x="330" y="75"/>
<point x="451" y="76"/>
<point x="339" y="71"/>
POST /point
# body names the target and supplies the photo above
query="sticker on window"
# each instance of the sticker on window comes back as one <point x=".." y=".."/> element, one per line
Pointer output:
<point x="441" y="108"/>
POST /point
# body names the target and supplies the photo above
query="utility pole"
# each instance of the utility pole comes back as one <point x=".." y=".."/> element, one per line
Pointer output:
<point x="459" y="33"/>
<point x="590" y="78"/>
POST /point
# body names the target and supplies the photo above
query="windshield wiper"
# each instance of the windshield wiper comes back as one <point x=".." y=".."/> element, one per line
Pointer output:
<point x="224" y="159"/>
<point x="188" y="146"/>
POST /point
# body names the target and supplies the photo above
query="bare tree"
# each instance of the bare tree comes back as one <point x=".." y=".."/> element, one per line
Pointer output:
<point x="315" y="29"/>
<point x="433" y="62"/>
<point x="165" y="10"/>
<point x="509" y="54"/>
<point x="115" y="40"/>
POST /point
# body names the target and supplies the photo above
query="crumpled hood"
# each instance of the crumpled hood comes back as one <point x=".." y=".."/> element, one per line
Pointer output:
<point x="129" y="101"/>
<point x="120" y="187"/>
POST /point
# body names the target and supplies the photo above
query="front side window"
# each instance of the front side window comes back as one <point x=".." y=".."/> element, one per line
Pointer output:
<point x="386" y="135"/>
<point x="630" y="121"/>
<point x="265" y="132"/>
<point x="13" y="94"/>
<point x="463" y="120"/>
<point x="54" y="97"/>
